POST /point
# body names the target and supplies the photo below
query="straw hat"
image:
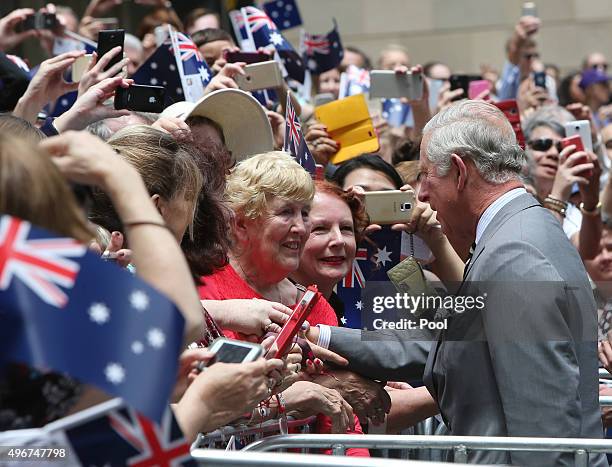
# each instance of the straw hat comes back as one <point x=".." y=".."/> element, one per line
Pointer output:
<point x="246" y="127"/>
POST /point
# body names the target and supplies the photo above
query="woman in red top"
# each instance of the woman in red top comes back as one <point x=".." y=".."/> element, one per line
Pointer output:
<point x="270" y="196"/>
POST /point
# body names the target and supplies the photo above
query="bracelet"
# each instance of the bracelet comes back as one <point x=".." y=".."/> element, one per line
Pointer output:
<point x="591" y="212"/>
<point x="153" y="223"/>
<point x="558" y="202"/>
<point x="553" y="207"/>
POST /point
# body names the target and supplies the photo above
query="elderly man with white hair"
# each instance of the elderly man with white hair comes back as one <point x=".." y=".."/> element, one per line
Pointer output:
<point x="517" y="355"/>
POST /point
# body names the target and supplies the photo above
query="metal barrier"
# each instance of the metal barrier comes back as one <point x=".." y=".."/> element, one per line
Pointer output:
<point x="215" y="457"/>
<point x="224" y="433"/>
<point x="459" y="444"/>
<point x="605" y="401"/>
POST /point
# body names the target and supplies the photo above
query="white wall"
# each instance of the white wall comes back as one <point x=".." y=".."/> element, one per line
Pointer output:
<point x="464" y="33"/>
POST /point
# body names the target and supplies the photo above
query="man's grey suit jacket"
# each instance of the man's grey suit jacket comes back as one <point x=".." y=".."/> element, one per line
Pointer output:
<point x="524" y="365"/>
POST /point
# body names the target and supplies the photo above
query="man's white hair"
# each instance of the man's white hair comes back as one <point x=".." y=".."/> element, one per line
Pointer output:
<point x="477" y="130"/>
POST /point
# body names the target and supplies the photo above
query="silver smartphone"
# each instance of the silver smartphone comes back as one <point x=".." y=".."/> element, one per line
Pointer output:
<point x="389" y="207"/>
<point x="581" y="128"/>
<point x="389" y="84"/>
<point x="264" y="75"/>
<point x="234" y="351"/>
<point x="529" y="9"/>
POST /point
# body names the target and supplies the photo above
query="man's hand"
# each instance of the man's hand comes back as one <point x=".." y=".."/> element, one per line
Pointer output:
<point x="9" y="37"/>
<point x="368" y="398"/>
<point x="176" y="127"/>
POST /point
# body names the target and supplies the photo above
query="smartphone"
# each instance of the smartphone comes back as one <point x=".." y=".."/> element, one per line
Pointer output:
<point x="389" y="207"/>
<point x="434" y="90"/>
<point x="109" y="23"/>
<point x="38" y="20"/>
<point x="79" y="66"/>
<point x="529" y="9"/>
<point x="323" y="98"/>
<point x="264" y="75"/>
<point x="539" y="78"/>
<point x="583" y="129"/>
<point x="246" y="57"/>
<point x="234" y="351"/>
<point x="290" y="329"/>
<point x="511" y="112"/>
<point x="141" y="98"/>
<point x="389" y="84"/>
<point x="476" y="88"/>
<point x="462" y="82"/>
<point x="576" y="140"/>
<point x="108" y="40"/>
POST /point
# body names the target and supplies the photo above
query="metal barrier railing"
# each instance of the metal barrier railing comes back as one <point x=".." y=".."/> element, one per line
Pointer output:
<point x="459" y="444"/>
<point x="216" y="457"/>
<point x="605" y="401"/>
<point x="223" y="434"/>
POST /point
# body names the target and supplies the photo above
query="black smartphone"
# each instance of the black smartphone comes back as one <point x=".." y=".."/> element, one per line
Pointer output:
<point x="107" y="41"/>
<point x="141" y="98"/>
<point x="38" y="20"/>
<point x="246" y="57"/>
<point x="462" y="82"/>
<point x="539" y="78"/>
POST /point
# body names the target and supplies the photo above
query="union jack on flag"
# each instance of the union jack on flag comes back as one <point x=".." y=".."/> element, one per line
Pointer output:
<point x="42" y="265"/>
<point x="187" y="47"/>
<point x="353" y="81"/>
<point x="322" y="52"/>
<point x="295" y="144"/>
<point x="65" y="310"/>
<point x="257" y="19"/>
<point x="355" y="275"/>
<point x="375" y="255"/>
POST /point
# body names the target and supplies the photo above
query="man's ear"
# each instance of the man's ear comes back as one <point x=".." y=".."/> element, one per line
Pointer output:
<point x="461" y="171"/>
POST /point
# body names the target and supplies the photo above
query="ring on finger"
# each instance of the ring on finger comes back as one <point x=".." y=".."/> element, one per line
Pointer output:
<point x="271" y="383"/>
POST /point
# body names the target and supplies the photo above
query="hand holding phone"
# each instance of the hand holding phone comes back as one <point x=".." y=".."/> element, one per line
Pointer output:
<point x="39" y="20"/>
<point x="233" y="351"/>
<point x="462" y="82"/>
<point x="264" y="75"/>
<point x="577" y="141"/>
<point x="391" y="85"/>
<point x="284" y="340"/>
<point x="478" y="88"/>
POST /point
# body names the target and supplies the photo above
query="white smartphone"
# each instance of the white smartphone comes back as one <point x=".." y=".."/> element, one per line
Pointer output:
<point x="581" y="128"/>
<point x="264" y="75"/>
<point x="79" y="66"/>
<point x="529" y="9"/>
<point x="388" y="84"/>
<point x="389" y="207"/>
<point x="233" y="351"/>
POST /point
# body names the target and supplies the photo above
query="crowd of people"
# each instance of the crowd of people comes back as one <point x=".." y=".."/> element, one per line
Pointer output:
<point x="201" y="202"/>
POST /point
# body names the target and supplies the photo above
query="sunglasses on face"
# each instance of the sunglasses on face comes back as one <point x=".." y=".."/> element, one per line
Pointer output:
<point x="544" y="144"/>
<point x="600" y="66"/>
<point x="608" y="144"/>
<point x="531" y="55"/>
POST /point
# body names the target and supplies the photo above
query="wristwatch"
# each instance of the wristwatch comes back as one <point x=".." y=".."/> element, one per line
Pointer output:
<point x="591" y="212"/>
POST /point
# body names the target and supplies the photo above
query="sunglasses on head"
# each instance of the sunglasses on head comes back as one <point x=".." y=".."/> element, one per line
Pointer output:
<point x="544" y="144"/>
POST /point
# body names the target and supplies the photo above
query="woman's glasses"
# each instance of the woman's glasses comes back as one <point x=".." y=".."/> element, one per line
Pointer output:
<point x="544" y="144"/>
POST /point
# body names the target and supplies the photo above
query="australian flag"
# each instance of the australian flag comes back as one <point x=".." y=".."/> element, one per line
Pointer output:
<point x="353" y="81"/>
<point x="322" y="52"/>
<point x="265" y="34"/>
<point x="375" y="255"/>
<point x="63" y="309"/>
<point x="239" y="26"/>
<point x="178" y="66"/>
<point x="396" y="113"/>
<point x="121" y="436"/>
<point x="284" y="13"/>
<point x="295" y="144"/>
